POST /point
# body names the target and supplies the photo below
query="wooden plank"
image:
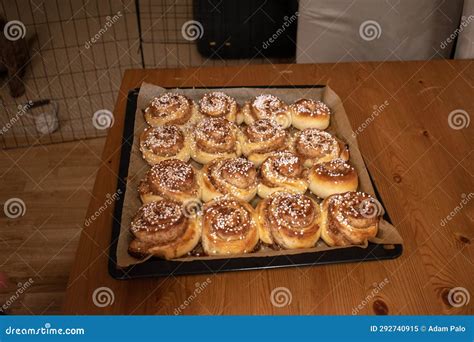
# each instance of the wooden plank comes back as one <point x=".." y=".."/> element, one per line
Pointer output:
<point x="55" y="183"/>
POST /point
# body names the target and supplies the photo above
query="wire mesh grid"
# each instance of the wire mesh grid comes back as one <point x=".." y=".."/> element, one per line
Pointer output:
<point x="165" y="46"/>
<point x="78" y="76"/>
<point x="78" y="51"/>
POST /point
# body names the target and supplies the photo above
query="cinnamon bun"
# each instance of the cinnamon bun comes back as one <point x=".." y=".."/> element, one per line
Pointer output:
<point x="229" y="176"/>
<point x="162" y="229"/>
<point x="218" y="105"/>
<point x="171" y="179"/>
<point x="307" y="113"/>
<point x="214" y="138"/>
<point x="164" y="142"/>
<point x="315" y="146"/>
<point x="228" y="227"/>
<point x="267" y="106"/>
<point x="282" y="171"/>
<point x="170" y="108"/>
<point x="289" y="220"/>
<point x="261" y="138"/>
<point x="350" y="218"/>
<point x="332" y="177"/>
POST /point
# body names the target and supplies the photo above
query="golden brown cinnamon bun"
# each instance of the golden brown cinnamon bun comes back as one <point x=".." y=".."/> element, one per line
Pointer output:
<point x="171" y="179"/>
<point x="267" y="106"/>
<point x="169" y="108"/>
<point x="282" y="171"/>
<point x="261" y="138"/>
<point x="218" y="105"/>
<point x="164" y="142"/>
<point x="289" y="220"/>
<point x="332" y="177"/>
<point x="307" y="113"/>
<point x="350" y="218"/>
<point x="214" y="138"/>
<point x="162" y="229"/>
<point x="229" y="176"/>
<point x="228" y="227"/>
<point x="315" y="146"/>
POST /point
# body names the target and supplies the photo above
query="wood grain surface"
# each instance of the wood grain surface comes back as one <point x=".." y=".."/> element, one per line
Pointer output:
<point x="55" y="183"/>
<point x="423" y="169"/>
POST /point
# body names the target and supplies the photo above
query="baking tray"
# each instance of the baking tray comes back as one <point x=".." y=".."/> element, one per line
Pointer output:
<point x="156" y="267"/>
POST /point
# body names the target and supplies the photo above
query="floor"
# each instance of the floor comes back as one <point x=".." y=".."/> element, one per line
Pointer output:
<point x="51" y="185"/>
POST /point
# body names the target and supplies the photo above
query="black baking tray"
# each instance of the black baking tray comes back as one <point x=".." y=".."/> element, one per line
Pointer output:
<point x="156" y="267"/>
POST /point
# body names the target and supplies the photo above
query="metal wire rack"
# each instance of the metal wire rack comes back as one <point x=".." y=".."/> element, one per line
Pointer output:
<point x="78" y="51"/>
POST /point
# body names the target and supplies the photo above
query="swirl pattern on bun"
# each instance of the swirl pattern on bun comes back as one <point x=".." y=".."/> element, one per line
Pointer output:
<point x="164" y="142"/>
<point x="218" y="105"/>
<point x="351" y="218"/>
<point x="307" y="113"/>
<point x="161" y="229"/>
<point x="228" y="227"/>
<point x="262" y="138"/>
<point x="267" y="106"/>
<point x="315" y="146"/>
<point x="229" y="176"/>
<point x="214" y="138"/>
<point x="171" y="179"/>
<point x="169" y="108"/>
<point x="332" y="177"/>
<point x="282" y="171"/>
<point x="289" y="220"/>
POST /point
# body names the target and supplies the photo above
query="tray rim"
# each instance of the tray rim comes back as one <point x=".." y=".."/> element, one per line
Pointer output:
<point x="155" y="267"/>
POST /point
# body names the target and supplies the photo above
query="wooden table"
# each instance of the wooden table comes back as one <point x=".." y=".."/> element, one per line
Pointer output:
<point x="422" y="167"/>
